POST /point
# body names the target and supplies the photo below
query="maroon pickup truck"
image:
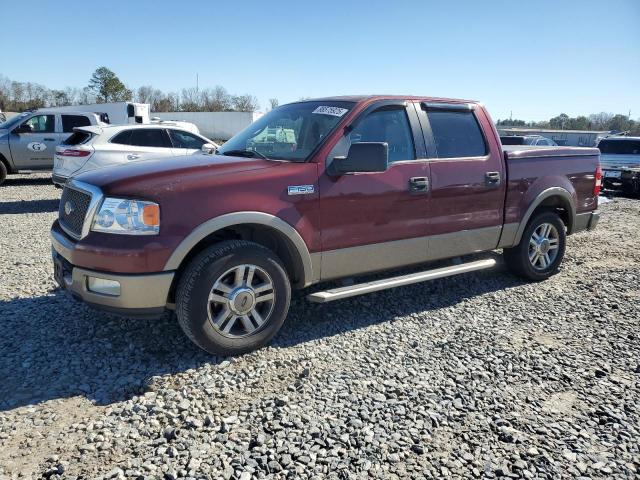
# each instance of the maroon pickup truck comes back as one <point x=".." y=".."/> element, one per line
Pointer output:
<point x="317" y="190"/>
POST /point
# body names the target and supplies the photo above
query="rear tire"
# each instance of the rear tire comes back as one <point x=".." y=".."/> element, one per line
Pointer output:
<point x="233" y="297"/>
<point x="541" y="249"/>
<point x="3" y="172"/>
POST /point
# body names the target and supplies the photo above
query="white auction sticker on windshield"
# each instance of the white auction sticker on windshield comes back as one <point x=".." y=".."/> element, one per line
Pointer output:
<point x="335" y="111"/>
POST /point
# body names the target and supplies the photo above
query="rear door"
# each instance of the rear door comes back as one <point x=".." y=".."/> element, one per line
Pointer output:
<point x="376" y="221"/>
<point x="185" y="143"/>
<point x="143" y="144"/>
<point x="466" y="202"/>
<point x="34" y="150"/>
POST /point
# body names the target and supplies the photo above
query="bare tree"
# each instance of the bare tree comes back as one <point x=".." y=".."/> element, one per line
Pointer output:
<point x="273" y="102"/>
<point x="191" y="100"/>
<point x="245" y="103"/>
<point x="216" y="99"/>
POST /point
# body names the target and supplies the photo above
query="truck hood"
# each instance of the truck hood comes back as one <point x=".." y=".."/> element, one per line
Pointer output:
<point x="148" y="176"/>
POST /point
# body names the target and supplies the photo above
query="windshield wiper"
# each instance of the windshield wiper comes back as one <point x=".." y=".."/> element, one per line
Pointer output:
<point x="243" y="153"/>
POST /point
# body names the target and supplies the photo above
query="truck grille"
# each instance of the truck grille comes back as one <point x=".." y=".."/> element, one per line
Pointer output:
<point x="73" y="209"/>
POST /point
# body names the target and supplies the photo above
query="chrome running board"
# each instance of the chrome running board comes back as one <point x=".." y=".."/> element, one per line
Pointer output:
<point x="377" y="285"/>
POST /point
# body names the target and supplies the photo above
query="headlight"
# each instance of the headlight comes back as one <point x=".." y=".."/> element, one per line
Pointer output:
<point x="127" y="217"/>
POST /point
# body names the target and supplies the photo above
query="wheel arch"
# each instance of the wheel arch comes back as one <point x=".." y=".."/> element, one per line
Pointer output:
<point x="262" y="228"/>
<point x="556" y="198"/>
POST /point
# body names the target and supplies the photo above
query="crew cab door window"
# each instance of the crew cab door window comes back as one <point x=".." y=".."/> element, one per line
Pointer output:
<point x="69" y="122"/>
<point x="390" y="126"/>
<point x="42" y="124"/>
<point x="456" y="134"/>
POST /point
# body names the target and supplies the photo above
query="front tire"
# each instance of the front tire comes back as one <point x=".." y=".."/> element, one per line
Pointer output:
<point x="3" y="172"/>
<point x="541" y="249"/>
<point x="233" y="297"/>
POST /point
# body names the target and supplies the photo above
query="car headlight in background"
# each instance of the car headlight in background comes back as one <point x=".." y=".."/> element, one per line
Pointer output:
<point x="127" y="217"/>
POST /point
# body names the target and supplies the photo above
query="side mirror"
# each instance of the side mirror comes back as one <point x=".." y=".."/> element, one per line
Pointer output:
<point x="23" y="128"/>
<point x="208" y="148"/>
<point x="362" y="157"/>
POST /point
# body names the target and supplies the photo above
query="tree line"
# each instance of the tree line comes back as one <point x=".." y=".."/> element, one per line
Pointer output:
<point x="596" y="121"/>
<point x="104" y="86"/>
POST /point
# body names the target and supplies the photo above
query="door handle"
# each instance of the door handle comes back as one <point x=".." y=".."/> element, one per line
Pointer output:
<point x="418" y="184"/>
<point x="49" y="139"/>
<point x="132" y="156"/>
<point x="492" y="179"/>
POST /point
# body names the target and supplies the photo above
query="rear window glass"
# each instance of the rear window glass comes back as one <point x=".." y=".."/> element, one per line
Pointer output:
<point x="69" y="122"/>
<point x="512" y="140"/>
<point x="620" y="147"/>
<point x="457" y="134"/>
<point x="77" y="138"/>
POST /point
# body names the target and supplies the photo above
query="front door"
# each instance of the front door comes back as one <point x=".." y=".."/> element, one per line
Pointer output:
<point x="466" y="202"/>
<point x="34" y="147"/>
<point x="375" y="221"/>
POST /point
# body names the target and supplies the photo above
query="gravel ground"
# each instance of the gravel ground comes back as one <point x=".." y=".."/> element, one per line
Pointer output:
<point x="476" y="376"/>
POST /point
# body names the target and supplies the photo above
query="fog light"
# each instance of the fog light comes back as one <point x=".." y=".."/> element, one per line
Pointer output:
<point x="103" y="286"/>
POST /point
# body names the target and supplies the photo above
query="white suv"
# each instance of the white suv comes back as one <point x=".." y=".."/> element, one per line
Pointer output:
<point x="94" y="147"/>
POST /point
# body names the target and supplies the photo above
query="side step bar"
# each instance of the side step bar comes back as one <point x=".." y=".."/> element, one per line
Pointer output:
<point x="377" y="285"/>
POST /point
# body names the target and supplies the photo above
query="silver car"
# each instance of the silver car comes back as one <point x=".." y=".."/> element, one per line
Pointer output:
<point x="94" y="147"/>
<point x="28" y="141"/>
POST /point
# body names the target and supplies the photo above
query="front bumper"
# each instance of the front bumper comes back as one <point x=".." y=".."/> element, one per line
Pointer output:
<point x="140" y="295"/>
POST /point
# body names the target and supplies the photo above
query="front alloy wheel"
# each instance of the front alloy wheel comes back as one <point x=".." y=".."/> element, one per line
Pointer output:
<point x="241" y="301"/>
<point x="233" y="297"/>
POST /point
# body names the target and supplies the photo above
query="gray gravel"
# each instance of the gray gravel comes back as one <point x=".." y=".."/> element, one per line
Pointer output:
<point x="476" y="376"/>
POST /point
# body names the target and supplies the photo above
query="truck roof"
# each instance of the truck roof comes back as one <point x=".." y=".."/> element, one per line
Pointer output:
<point x="361" y="98"/>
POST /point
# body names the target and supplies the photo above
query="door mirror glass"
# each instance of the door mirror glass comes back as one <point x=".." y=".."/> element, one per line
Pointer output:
<point x="363" y="157"/>
<point x="208" y="148"/>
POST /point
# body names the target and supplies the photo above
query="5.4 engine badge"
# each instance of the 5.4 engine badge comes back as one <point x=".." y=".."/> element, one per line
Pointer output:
<point x="301" y="189"/>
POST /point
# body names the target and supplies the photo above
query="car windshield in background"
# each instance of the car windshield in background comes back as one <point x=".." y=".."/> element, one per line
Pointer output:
<point x="620" y="147"/>
<point x="291" y="132"/>
<point x="12" y="121"/>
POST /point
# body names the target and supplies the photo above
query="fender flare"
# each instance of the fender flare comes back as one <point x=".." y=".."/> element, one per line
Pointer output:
<point x="542" y="196"/>
<point x="243" y="218"/>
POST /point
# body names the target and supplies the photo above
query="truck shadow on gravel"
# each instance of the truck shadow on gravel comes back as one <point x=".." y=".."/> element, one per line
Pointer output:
<point x="29" y="206"/>
<point x="23" y="181"/>
<point x="54" y="347"/>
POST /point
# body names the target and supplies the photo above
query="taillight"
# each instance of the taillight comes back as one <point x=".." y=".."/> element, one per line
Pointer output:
<point x="597" y="186"/>
<point x="74" y="153"/>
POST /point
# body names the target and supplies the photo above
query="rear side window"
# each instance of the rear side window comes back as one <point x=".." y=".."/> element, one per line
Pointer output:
<point x="77" y="138"/>
<point x="69" y="122"/>
<point x="390" y="126"/>
<point x="457" y="134"/>
<point x="148" y="137"/>
<point x="620" y="147"/>
<point x="512" y="140"/>
<point x="143" y="137"/>
<point x="181" y="139"/>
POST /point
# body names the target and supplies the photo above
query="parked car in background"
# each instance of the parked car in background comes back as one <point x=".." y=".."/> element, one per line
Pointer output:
<point x="620" y="161"/>
<point x="313" y="191"/>
<point x="28" y="141"/>
<point x="533" y="140"/>
<point x="95" y="147"/>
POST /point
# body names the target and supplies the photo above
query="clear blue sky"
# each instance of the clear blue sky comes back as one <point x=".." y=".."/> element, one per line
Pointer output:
<point x="539" y="60"/>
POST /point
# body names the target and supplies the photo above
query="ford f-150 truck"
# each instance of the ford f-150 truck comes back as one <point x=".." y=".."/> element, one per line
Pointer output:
<point x="357" y="185"/>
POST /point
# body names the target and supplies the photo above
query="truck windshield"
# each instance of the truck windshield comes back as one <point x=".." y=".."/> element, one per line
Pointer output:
<point x="291" y="132"/>
<point x="620" y="147"/>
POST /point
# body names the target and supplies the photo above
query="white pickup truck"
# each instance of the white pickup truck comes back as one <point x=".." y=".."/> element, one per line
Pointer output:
<point x="620" y="161"/>
<point x="28" y="141"/>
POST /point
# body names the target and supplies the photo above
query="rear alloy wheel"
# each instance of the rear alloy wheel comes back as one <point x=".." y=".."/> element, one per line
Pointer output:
<point x="233" y="297"/>
<point x="541" y="249"/>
